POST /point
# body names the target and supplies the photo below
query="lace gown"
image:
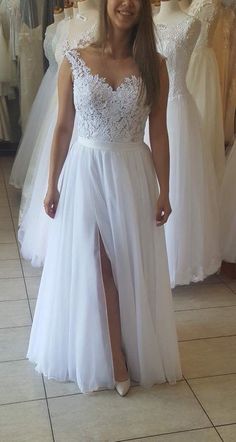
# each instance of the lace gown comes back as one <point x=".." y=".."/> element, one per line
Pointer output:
<point x="192" y="232"/>
<point x="108" y="185"/>
<point x="228" y="209"/>
<point x="32" y="216"/>
<point x="36" y="116"/>
<point x="203" y="82"/>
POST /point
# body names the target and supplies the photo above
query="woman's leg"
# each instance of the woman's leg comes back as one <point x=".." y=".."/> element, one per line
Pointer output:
<point x="113" y="313"/>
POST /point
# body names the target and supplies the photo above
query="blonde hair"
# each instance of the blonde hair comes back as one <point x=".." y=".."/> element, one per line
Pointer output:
<point x="143" y="47"/>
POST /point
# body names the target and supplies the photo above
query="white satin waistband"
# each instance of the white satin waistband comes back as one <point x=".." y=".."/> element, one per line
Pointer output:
<point x="109" y="145"/>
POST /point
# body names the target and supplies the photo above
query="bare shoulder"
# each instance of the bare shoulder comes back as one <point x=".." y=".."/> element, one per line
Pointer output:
<point x="90" y="51"/>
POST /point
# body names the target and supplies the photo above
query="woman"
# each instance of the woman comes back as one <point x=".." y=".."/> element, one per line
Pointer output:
<point x="104" y="311"/>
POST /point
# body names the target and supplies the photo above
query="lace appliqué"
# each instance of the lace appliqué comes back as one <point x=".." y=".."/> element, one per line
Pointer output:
<point x="176" y="43"/>
<point x="102" y="112"/>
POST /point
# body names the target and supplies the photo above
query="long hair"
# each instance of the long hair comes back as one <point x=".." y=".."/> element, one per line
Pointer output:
<point x="143" y="47"/>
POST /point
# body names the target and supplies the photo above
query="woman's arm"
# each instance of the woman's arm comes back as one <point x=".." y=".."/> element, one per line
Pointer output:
<point x="160" y="145"/>
<point x="62" y="136"/>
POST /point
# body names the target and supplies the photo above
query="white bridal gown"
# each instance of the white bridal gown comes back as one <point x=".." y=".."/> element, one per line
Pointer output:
<point x="108" y="185"/>
<point x="203" y="82"/>
<point x="37" y="113"/>
<point x="228" y="209"/>
<point x="32" y="215"/>
<point x="192" y="231"/>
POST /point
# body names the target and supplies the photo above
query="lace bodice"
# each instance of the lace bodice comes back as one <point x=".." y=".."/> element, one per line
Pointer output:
<point x="207" y="12"/>
<point x="102" y="112"/>
<point x="176" y="43"/>
<point x="48" y="46"/>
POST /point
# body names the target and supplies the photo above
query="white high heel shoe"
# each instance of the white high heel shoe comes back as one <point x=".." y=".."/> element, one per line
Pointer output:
<point x="123" y="387"/>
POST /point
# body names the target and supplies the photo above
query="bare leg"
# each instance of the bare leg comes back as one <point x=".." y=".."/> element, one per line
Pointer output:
<point x="113" y="313"/>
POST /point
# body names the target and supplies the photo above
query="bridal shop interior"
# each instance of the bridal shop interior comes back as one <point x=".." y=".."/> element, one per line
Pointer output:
<point x="198" y="41"/>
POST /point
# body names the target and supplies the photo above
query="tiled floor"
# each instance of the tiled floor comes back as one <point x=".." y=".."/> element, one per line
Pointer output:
<point x="201" y="408"/>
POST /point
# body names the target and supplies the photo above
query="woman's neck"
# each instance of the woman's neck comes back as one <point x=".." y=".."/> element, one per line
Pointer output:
<point x="184" y="4"/>
<point x="118" y="44"/>
<point x="84" y="6"/>
<point x="68" y="12"/>
<point x="58" y="17"/>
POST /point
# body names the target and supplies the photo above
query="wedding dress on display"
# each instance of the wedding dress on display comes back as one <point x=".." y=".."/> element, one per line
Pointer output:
<point x="37" y="113"/>
<point x="204" y="84"/>
<point x="228" y="209"/>
<point x="32" y="215"/>
<point x="31" y="68"/>
<point x="225" y="48"/>
<point x="108" y="186"/>
<point x="192" y="231"/>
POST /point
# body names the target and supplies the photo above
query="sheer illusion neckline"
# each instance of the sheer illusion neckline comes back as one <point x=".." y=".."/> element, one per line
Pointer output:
<point x="103" y="80"/>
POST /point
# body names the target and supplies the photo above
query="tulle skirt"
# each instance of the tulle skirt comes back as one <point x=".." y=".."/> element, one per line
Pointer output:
<point x="228" y="209"/>
<point x="36" y="122"/>
<point x="32" y="216"/>
<point x="107" y="189"/>
<point x="204" y="84"/>
<point x="192" y="232"/>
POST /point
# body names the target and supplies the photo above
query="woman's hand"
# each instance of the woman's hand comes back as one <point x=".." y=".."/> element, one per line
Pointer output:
<point x="51" y="202"/>
<point x="163" y="210"/>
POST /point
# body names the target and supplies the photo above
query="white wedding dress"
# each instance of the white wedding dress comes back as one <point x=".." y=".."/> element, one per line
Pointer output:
<point x="108" y="185"/>
<point x="228" y="208"/>
<point x="32" y="216"/>
<point x="192" y="231"/>
<point x="37" y="114"/>
<point x="203" y="82"/>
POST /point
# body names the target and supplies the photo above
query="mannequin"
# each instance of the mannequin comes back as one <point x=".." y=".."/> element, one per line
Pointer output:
<point x="184" y="4"/>
<point x="75" y="9"/>
<point x="170" y="13"/>
<point x="84" y="6"/>
<point x="58" y="15"/>
<point x="68" y="10"/>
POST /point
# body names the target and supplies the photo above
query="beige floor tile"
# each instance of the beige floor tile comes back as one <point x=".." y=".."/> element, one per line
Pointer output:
<point x="25" y="422"/>
<point x="228" y="433"/>
<point x="203" y="296"/>
<point x="206" y="435"/>
<point x="12" y="289"/>
<point x="218" y="397"/>
<point x="32" y="285"/>
<point x="19" y="382"/>
<point x="14" y="343"/>
<point x="208" y="357"/>
<point x="32" y="306"/>
<point x="232" y="285"/>
<point x="54" y="388"/>
<point x="104" y="416"/>
<point x="14" y="314"/>
<point x="10" y="268"/>
<point x="29" y="270"/>
<point x="7" y="237"/>
<point x="206" y="323"/>
<point x="9" y="251"/>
